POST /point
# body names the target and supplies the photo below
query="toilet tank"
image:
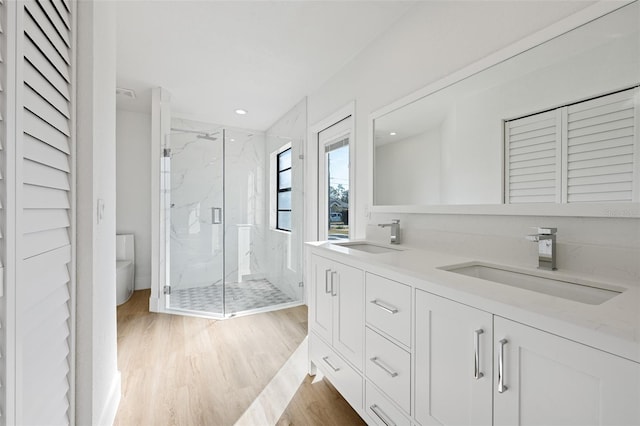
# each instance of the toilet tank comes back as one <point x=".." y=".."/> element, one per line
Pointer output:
<point x="125" y="249"/>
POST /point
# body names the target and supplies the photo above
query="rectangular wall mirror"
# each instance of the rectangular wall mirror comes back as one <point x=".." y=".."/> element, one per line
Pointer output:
<point x="447" y="148"/>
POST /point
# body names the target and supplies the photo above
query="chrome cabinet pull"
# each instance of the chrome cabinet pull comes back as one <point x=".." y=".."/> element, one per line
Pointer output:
<point x="216" y="215"/>
<point x="476" y="359"/>
<point x="384" y="307"/>
<point x="382" y="415"/>
<point x="334" y="287"/>
<point x="386" y="369"/>
<point x="334" y="368"/>
<point x="326" y="281"/>
<point x="501" y="386"/>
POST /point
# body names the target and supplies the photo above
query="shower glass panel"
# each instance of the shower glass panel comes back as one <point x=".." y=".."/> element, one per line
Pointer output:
<point x="224" y="257"/>
<point x="195" y="215"/>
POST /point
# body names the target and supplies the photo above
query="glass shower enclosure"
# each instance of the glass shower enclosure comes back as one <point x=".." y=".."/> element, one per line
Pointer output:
<point x="223" y="257"/>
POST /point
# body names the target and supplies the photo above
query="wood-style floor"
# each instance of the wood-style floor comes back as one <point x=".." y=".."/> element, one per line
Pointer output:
<point x="179" y="370"/>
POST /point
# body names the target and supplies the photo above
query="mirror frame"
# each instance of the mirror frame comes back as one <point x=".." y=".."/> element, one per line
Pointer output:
<point x="613" y="210"/>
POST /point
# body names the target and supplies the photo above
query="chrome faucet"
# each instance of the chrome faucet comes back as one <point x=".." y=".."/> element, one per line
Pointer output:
<point x="395" y="230"/>
<point x="546" y="239"/>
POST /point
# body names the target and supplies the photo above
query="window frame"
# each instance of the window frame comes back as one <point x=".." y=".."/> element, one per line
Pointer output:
<point x="279" y="190"/>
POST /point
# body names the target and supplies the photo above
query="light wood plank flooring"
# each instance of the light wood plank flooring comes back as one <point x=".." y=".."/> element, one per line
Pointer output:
<point x="318" y="403"/>
<point x="179" y="370"/>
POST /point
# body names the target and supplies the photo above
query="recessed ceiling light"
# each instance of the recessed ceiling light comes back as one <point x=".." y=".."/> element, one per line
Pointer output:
<point x="392" y="134"/>
<point x="240" y="111"/>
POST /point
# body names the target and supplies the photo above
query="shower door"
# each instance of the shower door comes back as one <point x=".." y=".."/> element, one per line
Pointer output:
<point x="195" y="221"/>
<point x="223" y="257"/>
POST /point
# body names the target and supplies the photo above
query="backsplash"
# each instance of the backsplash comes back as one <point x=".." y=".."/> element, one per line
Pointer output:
<point x="608" y="248"/>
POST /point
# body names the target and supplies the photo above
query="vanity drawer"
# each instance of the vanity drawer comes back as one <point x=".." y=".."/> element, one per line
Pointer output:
<point x="380" y="410"/>
<point x="343" y="377"/>
<point x="389" y="367"/>
<point x="389" y="307"/>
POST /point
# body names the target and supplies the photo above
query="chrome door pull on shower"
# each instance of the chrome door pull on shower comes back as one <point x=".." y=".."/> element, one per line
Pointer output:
<point x="501" y="386"/>
<point x="386" y="369"/>
<point x="387" y="308"/>
<point x="216" y="215"/>
<point x="476" y="358"/>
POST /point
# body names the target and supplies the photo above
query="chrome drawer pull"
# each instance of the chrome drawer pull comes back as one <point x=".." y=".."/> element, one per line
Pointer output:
<point x="326" y="359"/>
<point x="386" y="369"/>
<point x="501" y="386"/>
<point x="476" y="359"/>
<point x="382" y="306"/>
<point x="334" y="286"/>
<point x="326" y="281"/>
<point x="381" y="415"/>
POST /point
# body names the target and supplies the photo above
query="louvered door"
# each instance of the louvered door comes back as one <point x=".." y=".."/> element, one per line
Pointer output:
<point x="3" y="220"/>
<point x="43" y="283"/>
<point x="533" y="158"/>
<point x="580" y="153"/>
<point x="601" y="147"/>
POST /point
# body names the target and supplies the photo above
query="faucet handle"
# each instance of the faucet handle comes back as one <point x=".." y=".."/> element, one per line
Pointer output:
<point x="395" y="221"/>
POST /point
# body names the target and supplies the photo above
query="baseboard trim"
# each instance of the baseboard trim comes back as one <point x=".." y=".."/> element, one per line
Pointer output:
<point x="108" y="415"/>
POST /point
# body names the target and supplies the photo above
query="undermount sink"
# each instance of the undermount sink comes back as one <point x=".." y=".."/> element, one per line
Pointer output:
<point x="367" y="247"/>
<point x="565" y="287"/>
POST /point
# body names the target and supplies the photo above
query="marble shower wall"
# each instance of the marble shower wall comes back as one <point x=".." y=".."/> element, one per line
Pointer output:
<point x="198" y="248"/>
<point x="245" y="203"/>
<point x="196" y="183"/>
<point x="284" y="249"/>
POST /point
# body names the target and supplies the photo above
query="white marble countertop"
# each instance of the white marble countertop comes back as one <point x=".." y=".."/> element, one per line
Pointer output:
<point x="613" y="326"/>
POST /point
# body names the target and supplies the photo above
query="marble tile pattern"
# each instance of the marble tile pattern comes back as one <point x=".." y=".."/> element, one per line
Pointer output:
<point x="284" y="251"/>
<point x="239" y="297"/>
<point x="196" y="187"/>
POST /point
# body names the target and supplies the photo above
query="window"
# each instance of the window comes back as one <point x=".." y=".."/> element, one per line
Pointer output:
<point x="583" y="152"/>
<point x="283" y="200"/>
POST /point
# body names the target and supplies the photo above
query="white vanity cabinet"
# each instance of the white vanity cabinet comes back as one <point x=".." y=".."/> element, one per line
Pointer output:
<point x="337" y="313"/>
<point x="476" y="368"/>
<point x="550" y="380"/>
<point x="454" y="364"/>
<point x="336" y="325"/>
<point x="404" y="350"/>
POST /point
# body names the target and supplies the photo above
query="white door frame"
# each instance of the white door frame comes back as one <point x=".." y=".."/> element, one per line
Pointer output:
<point x="312" y="194"/>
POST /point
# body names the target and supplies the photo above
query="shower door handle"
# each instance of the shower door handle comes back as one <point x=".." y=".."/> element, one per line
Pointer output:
<point x="216" y="215"/>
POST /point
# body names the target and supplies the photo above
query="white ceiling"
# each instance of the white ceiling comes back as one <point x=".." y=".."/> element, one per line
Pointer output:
<point x="263" y="56"/>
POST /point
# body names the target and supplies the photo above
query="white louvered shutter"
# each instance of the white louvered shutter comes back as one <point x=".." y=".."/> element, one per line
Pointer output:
<point x="43" y="296"/>
<point x="602" y="148"/>
<point x="532" y="159"/>
<point x="3" y="201"/>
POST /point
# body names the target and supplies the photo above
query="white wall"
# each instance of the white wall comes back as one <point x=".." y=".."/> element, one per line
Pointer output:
<point x="431" y="41"/>
<point x="97" y="377"/>
<point x="133" y="198"/>
<point x="408" y="171"/>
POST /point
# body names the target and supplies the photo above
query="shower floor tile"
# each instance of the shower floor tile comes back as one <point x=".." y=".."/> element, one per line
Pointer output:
<point x="244" y="296"/>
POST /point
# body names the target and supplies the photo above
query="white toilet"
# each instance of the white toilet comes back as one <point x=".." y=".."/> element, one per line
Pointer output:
<point x="125" y="267"/>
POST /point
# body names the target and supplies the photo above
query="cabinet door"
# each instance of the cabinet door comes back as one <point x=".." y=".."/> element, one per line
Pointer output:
<point x="348" y="332"/>
<point x="554" y="381"/>
<point x="448" y="390"/>
<point x="321" y="312"/>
